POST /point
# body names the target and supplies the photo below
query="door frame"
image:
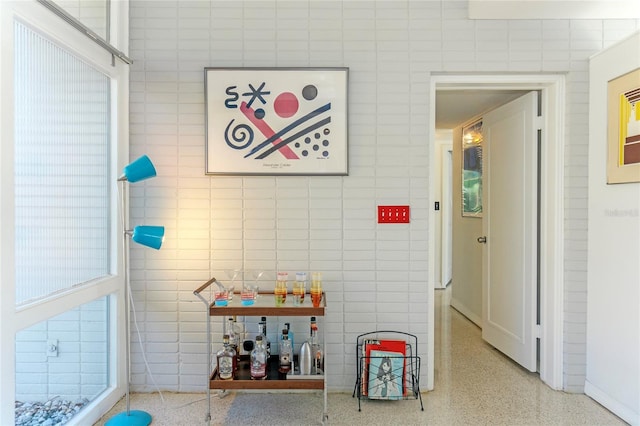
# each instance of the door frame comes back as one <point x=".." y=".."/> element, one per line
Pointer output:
<point x="446" y="238"/>
<point x="552" y="87"/>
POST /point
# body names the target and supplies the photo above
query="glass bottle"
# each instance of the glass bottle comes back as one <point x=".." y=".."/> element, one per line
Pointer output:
<point x="293" y="344"/>
<point x="286" y="353"/>
<point x="262" y="325"/>
<point x="316" y="349"/>
<point x="238" y="332"/>
<point x="226" y="360"/>
<point x="259" y="360"/>
<point x="287" y="325"/>
<point x="233" y="337"/>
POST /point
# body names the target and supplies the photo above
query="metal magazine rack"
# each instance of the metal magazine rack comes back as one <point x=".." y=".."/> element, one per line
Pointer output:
<point x="387" y="366"/>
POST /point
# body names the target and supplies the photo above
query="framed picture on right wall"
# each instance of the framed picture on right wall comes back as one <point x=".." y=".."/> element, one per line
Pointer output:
<point x="623" y="128"/>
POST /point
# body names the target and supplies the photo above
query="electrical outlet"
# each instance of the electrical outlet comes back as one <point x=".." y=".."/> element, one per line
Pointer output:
<point x="52" y="347"/>
<point x="393" y="214"/>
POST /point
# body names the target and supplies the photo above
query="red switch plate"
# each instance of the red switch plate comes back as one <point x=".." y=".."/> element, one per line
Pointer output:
<point x="393" y="214"/>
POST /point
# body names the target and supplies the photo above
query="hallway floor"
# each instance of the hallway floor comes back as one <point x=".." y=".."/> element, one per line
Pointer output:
<point x="474" y="385"/>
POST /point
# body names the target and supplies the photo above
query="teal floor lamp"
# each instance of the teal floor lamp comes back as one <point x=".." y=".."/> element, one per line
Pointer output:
<point x="149" y="236"/>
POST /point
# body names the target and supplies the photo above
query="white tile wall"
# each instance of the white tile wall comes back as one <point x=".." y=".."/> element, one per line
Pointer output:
<point x="376" y="275"/>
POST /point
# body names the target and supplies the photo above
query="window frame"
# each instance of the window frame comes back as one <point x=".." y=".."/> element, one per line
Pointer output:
<point x="13" y="319"/>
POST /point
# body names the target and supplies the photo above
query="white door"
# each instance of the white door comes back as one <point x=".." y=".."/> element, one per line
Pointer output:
<point x="510" y="228"/>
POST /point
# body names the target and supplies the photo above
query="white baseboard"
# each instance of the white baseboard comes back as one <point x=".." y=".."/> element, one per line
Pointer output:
<point x="620" y="410"/>
<point x="464" y="310"/>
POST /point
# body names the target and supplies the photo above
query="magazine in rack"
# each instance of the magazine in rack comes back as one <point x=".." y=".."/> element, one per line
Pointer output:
<point x="384" y="369"/>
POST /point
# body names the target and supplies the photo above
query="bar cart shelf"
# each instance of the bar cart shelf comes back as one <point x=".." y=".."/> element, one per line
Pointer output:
<point x="387" y="367"/>
<point x="274" y="380"/>
<point x="263" y="306"/>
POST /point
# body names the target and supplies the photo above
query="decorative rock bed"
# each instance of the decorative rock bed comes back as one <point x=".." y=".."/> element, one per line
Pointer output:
<point x="54" y="412"/>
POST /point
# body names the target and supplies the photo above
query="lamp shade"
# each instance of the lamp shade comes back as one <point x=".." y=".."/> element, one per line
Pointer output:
<point x="149" y="236"/>
<point x="140" y="169"/>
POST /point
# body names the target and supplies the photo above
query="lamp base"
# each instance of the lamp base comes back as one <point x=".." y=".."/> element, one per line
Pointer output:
<point x="134" y="418"/>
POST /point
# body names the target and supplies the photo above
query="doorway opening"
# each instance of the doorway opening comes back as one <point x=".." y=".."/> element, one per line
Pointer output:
<point x="551" y="88"/>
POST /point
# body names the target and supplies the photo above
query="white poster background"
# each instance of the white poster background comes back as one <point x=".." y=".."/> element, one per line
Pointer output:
<point x="250" y="110"/>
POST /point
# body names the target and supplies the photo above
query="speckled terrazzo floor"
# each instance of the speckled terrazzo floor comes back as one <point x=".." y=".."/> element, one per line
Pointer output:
<point x="474" y="385"/>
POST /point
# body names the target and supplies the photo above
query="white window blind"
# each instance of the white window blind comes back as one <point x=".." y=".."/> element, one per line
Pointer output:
<point x="62" y="122"/>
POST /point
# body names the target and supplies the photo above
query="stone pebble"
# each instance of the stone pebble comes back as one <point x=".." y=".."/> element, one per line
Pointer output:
<point x="54" y="412"/>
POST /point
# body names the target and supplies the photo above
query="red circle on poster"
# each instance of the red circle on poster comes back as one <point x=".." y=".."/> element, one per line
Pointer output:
<point x="286" y="104"/>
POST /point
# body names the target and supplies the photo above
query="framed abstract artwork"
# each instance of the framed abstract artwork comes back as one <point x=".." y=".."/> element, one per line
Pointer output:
<point x="276" y="121"/>
<point x="472" y="170"/>
<point x="623" y="128"/>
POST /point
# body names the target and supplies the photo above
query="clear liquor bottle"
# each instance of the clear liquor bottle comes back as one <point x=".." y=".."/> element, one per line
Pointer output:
<point x="226" y="360"/>
<point x="263" y="330"/>
<point x="259" y="360"/>
<point x="287" y="325"/>
<point x="285" y="353"/>
<point x="238" y="331"/>
<point x="316" y="349"/>
<point x="233" y="337"/>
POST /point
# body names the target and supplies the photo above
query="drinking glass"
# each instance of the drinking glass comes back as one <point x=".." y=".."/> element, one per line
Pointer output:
<point x="248" y="295"/>
<point x="232" y="274"/>
<point x="221" y="297"/>
<point x="298" y="293"/>
<point x="316" y="289"/>
<point x="256" y="275"/>
<point x="299" y="288"/>
<point x="280" y="290"/>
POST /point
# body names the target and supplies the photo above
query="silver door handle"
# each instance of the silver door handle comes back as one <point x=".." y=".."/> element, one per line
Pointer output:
<point x="482" y="240"/>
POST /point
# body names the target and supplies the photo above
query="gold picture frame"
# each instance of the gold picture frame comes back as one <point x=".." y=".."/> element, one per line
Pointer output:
<point x="623" y="128"/>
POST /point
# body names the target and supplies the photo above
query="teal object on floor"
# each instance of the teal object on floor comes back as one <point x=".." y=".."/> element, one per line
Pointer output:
<point x="133" y="418"/>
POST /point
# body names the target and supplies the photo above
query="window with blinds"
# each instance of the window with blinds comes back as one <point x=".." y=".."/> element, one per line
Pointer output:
<point x="62" y="125"/>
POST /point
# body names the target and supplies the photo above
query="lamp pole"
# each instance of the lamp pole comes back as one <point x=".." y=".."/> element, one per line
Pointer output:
<point x="140" y="169"/>
<point x="127" y="295"/>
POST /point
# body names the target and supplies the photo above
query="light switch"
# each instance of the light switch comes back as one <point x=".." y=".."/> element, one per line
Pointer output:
<point x="393" y="214"/>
